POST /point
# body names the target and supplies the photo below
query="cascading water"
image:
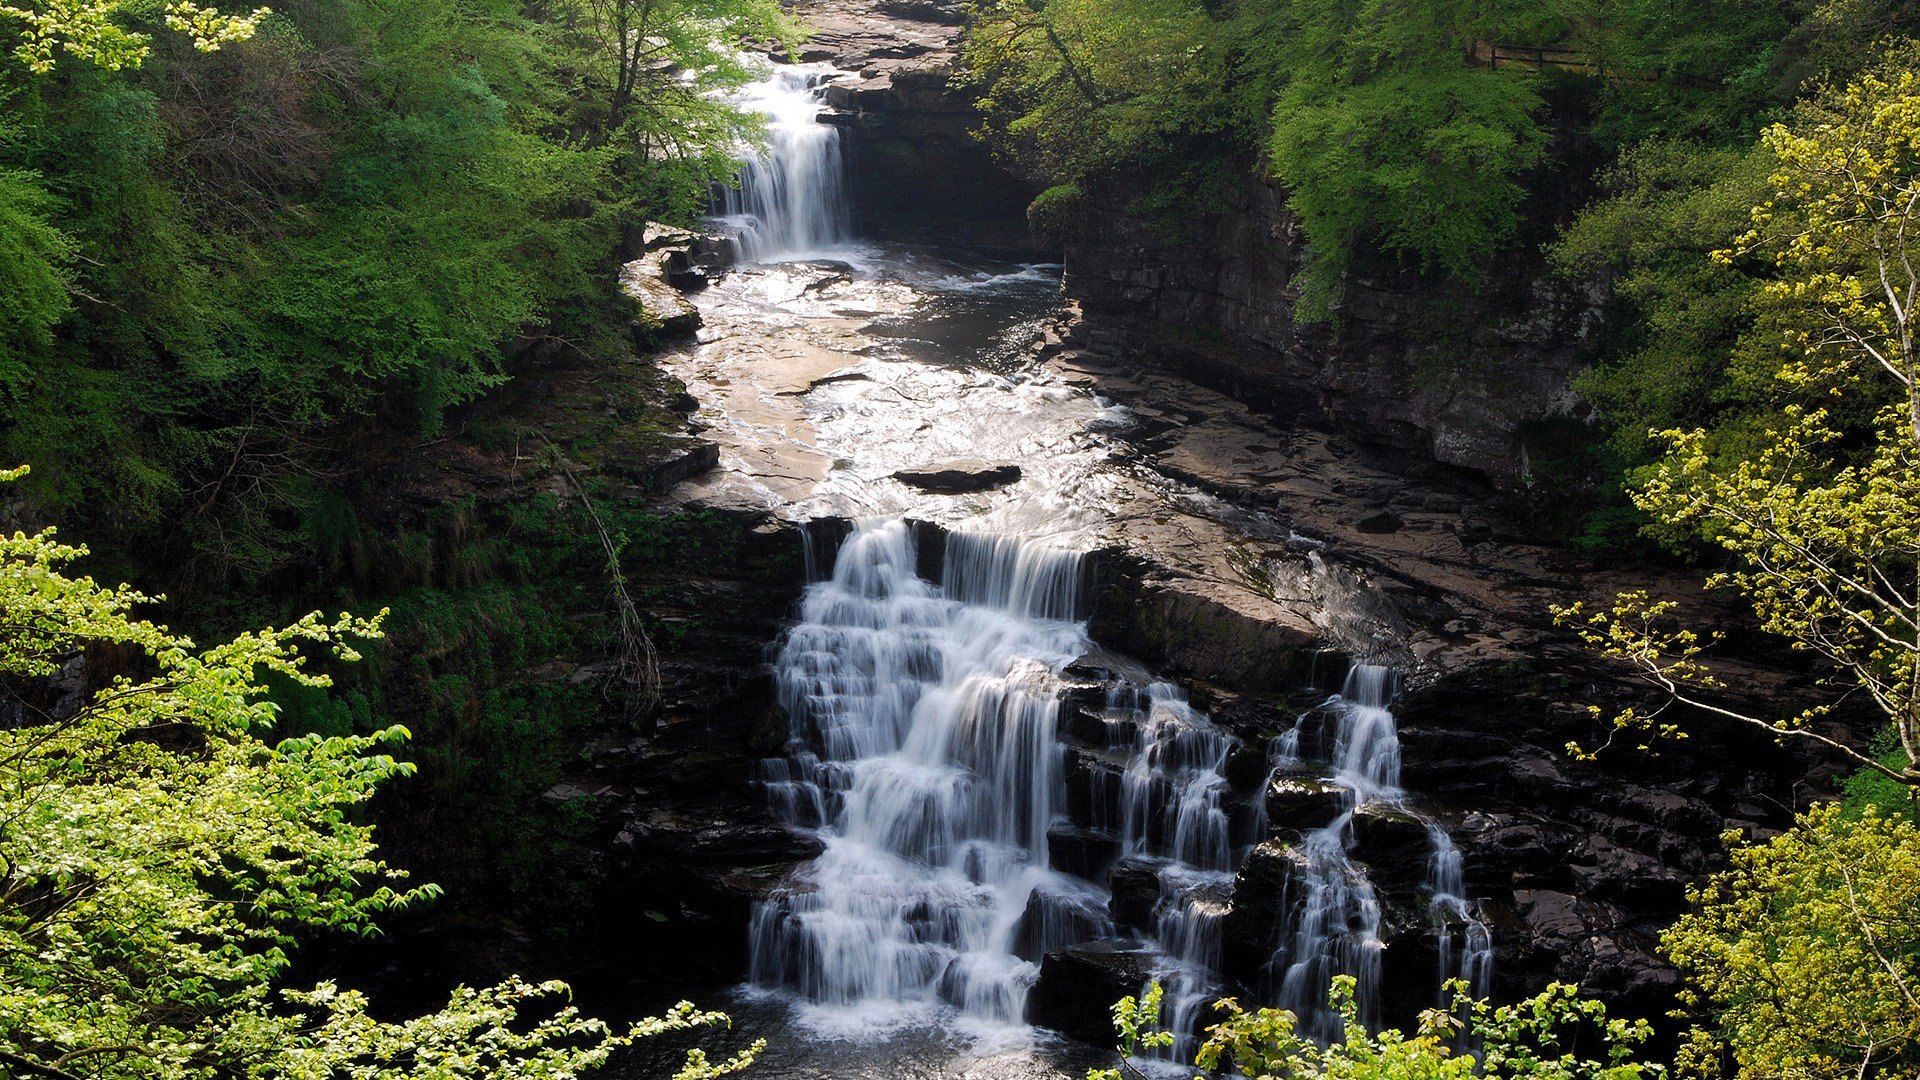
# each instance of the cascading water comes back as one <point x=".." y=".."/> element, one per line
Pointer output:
<point x="926" y="750"/>
<point x="1171" y="799"/>
<point x="924" y="736"/>
<point x="1334" y="917"/>
<point x="791" y="201"/>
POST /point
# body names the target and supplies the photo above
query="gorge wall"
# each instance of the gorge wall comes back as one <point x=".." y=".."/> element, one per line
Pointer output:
<point x="1445" y="372"/>
<point x="1429" y="372"/>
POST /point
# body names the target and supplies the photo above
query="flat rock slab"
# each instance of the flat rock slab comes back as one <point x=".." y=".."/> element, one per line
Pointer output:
<point x="669" y="315"/>
<point x="960" y="477"/>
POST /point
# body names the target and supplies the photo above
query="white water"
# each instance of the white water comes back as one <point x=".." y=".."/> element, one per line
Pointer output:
<point x="1333" y="916"/>
<point x="923" y="725"/>
<point x="791" y="202"/>
<point x="925" y="750"/>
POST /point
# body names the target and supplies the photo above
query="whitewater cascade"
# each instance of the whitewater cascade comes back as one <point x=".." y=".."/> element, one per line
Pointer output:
<point x="924" y="744"/>
<point x="791" y="201"/>
<point x="1333" y="924"/>
<point x="926" y="751"/>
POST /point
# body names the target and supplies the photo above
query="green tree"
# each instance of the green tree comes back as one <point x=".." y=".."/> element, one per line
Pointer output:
<point x="1821" y="517"/>
<point x="33" y="271"/>
<point x="1389" y="140"/>
<point x="96" y="31"/>
<point x="1532" y="1040"/>
<point x="1806" y="954"/>
<point x="159" y="854"/>
<point x="1087" y="93"/>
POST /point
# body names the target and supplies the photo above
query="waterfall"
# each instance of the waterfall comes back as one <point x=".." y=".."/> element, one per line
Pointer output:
<point x="924" y="739"/>
<point x="791" y="200"/>
<point x="1333" y="918"/>
<point x="926" y="750"/>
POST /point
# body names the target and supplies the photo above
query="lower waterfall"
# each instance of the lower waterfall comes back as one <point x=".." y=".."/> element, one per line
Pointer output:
<point x="927" y="750"/>
<point x="924" y="735"/>
<point x="1334" y="923"/>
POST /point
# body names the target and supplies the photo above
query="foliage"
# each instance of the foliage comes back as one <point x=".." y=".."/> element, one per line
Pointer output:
<point x="34" y="257"/>
<point x="1820" y="515"/>
<point x="1387" y="138"/>
<point x="227" y="272"/>
<point x="94" y="30"/>
<point x="1532" y="1040"/>
<point x="1083" y="91"/>
<point x="491" y="610"/>
<point x="161" y="855"/>
<point x="1806" y="954"/>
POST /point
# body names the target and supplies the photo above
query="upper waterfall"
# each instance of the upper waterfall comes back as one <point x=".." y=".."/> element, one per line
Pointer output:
<point x="791" y="201"/>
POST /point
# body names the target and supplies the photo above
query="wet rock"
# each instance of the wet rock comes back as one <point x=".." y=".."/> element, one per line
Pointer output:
<point x="666" y="315"/>
<point x="941" y="12"/>
<point x="959" y="477"/>
<point x="1055" y="919"/>
<point x="1301" y="804"/>
<point x="1252" y="924"/>
<point x="929" y="550"/>
<point x="1224" y="634"/>
<point x="1080" y="716"/>
<point x="684" y="462"/>
<point x="1085" y="853"/>
<point x="1392" y="844"/>
<point x="1135" y="884"/>
<point x="1093" y="784"/>
<point x="1383" y="522"/>
<point x="1079" y="984"/>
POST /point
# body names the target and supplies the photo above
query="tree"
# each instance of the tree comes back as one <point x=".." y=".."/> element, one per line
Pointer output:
<point x="1807" y="952"/>
<point x="1087" y="91"/>
<point x="1389" y="140"/>
<point x="1821" y="518"/>
<point x="660" y="71"/>
<point x="95" y="30"/>
<point x="1532" y="1040"/>
<point x="159" y="855"/>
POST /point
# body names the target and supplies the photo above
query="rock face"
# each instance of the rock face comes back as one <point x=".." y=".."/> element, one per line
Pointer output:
<point x="1445" y="373"/>
<point x="665" y="315"/>
<point x="1079" y="984"/>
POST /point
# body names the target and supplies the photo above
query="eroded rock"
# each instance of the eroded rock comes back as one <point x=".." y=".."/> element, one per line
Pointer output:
<point x="959" y="477"/>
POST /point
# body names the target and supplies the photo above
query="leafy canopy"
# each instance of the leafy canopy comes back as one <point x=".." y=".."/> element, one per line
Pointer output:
<point x="1806" y="954"/>
<point x="159" y="853"/>
<point x="95" y="30"/>
<point x="1821" y="514"/>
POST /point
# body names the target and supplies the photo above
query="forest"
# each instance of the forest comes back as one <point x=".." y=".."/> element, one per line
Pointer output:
<point x="328" y="307"/>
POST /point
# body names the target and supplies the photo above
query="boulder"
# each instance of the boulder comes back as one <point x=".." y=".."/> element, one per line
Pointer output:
<point x="1057" y="918"/>
<point x="959" y="477"/>
<point x="665" y="315"/>
<point x="1252" y="924"/>
<point x="1135" y="884"/>
<point x="1297" y="805"/>
<point x="1393" y="845"/>
<point x="1084" y="853"/>
<point x="1079" y="984"/>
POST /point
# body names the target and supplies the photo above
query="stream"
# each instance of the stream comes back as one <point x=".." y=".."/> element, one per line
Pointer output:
<point x="973" y="821"/>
